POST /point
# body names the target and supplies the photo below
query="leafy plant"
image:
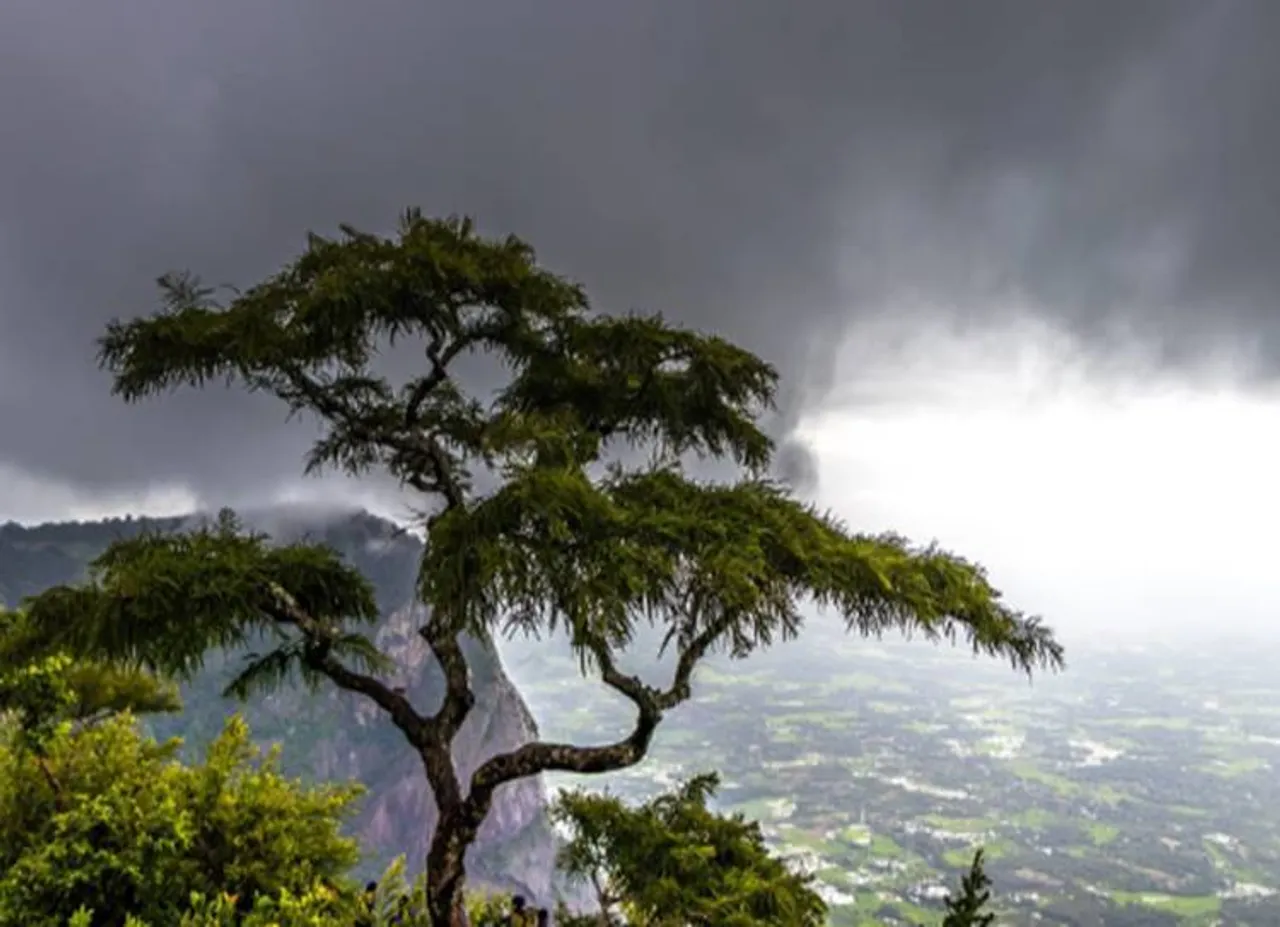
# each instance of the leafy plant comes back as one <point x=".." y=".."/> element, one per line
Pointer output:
<point x="673" y="861"/>
<point x="133" y="832"/>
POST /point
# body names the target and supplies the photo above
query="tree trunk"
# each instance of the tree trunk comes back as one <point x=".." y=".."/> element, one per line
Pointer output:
<point x="447" y="872"/>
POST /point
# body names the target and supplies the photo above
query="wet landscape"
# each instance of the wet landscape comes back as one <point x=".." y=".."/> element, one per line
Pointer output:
<point x="1138" y="788"/>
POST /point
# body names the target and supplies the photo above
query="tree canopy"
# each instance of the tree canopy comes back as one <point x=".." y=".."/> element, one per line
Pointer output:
<point x="562" y="499"/>
<point x="130" y="831"/>
<point x="673" y="861"/>
<point x="44" y="692"/>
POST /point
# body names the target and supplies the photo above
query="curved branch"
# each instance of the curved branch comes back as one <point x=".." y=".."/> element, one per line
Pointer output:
<point x="651" y="705"/>
<point x="680" y="689"/>
<point x="287" y="611"/>
<point x="59" y="797"/>
<point x="440" y="357"/>
<point x="459" y="698"/>
<point x="644" y="696"/>
<point x="446" y="483"/>
<point x="538" y="757"/>
<point x="444" y="644"/>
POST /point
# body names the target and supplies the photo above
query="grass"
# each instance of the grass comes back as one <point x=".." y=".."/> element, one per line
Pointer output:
<point x="1148" y="723"/>
<point x="1064" y="787"/>
<point x="1182" y="906"/>
<point x="1059" y="785"/>
<point x="963" y="858"/>
<point x="1033" y="819"/>
<point x="857" y="834"/>
<point x="1101" y="834"/>
<point x="864" y="682"/>
<point x="924" y="727"/>
<point x="886" y="847"/>
<point x="1234" y="768"/>
<point x="960" y="825"/>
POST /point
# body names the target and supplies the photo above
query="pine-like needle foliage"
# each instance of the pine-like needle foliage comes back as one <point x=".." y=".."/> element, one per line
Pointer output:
<point x="969" y="908"/>
<point x="162" y="602"/>
<point x="570" y="536"/>
<point x="43" y="689"/>
<point x="674" y="861"/>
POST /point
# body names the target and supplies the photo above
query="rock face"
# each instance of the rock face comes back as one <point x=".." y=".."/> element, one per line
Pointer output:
<point x="330" y="734"/>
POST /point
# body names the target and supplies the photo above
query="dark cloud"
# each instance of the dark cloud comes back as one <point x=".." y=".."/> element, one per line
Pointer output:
<point x="770" y="169"/>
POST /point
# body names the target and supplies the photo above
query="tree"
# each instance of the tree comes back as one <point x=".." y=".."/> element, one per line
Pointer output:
<point x="43" y="690"/>
<point x="571" y="534"/>
<point x="673" y="861"/>
<point x="45" y="695"/>
<point x="970" y="908"/>
<point x="131" y="831"/>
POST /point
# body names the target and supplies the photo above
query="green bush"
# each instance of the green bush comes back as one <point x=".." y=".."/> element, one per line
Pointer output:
<point x="106" y="819"/>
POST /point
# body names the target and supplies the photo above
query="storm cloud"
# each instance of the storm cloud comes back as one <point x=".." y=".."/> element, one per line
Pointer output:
<point x="776" y="171"/>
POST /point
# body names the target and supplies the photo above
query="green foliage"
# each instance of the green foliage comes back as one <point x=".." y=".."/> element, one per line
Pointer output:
<point x="132" y="831"/>
<point x="320" y="906"/>
<point x="164" y="601"/>
<point x="39" y="697"/>
<point x="394" y="903"/>
<point x="730" y="562"/>
<point x="969" y="908"/>
<point x="569" y="536"/>
<point x="553" y="542"/>
<point x="397" y="897"/>
<point x="44" y="688"/>
<point x="673" y="861"/>
<point x="101" y="689"/>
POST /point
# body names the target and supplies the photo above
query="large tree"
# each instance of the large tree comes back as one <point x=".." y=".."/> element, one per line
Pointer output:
<point x="533" y="519"/>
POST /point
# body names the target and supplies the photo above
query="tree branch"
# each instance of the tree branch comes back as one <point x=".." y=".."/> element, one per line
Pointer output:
<point x="603" y="898"/>
<point x="446" y="482"/>
<point x="644" y="696"/>
<point x="691" y="654"/>
<point x="440" y="357"/>
<point x="651" y="705"/>
<point x="534" y="758"/>
<point x="443" y="641"/>
<point x="47" y="771"/>
<point x="287" y="611"/>
<point x="441" y="727"/>
<point x="458" y="699"/>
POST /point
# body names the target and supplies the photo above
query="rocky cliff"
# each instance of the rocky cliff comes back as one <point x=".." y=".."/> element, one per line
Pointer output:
<point x="332" y="734"/>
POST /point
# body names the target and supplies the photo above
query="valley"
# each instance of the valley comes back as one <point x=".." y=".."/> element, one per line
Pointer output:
<point x="1138" y="788"/>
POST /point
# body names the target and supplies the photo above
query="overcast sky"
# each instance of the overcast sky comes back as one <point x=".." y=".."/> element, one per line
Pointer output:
<point x="983" y="240"/>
